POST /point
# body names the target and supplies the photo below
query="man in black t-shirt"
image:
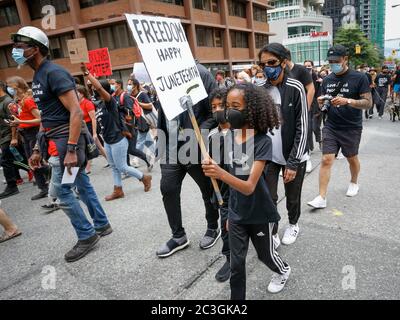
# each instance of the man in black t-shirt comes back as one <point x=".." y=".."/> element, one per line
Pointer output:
<point x="382" y="82"/>
<point x="63" y="144"/>
<point x="351" y="94"/>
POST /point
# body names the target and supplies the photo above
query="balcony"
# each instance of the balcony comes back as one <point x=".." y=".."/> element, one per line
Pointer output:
<point x="103" y="12"/>
<point x="210" y="54"/>
<point x="5" y="34"/>
<point x="202" y="16"/>
<point x="162" y="9"/>
<point x="237" y="22"/>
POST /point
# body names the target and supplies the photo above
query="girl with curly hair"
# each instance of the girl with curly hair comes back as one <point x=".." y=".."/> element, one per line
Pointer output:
<point x="251" y="211"/>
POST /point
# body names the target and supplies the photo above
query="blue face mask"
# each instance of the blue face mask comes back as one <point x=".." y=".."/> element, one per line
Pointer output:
<point x="11" y="91"/>
<point x="129" y="88"/>
<point x="18" y="56"/>
<point x="272" y="73"/>
<point x="112" y="87"/>
<point x="336" y="68"/>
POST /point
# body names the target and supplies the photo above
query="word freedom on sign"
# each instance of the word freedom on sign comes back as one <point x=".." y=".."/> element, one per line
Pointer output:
<point x="159" y="31"/>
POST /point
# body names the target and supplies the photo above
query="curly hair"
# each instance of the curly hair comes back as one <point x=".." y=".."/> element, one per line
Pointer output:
<point x="219" y="93"/>
<point x="262" y="115"/>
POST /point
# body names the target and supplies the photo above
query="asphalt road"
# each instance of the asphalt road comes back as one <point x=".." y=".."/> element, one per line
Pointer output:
<point x="350" y="250"/>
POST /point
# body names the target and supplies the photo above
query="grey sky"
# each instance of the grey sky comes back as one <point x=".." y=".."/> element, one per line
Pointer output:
<point x="392" y="20"/>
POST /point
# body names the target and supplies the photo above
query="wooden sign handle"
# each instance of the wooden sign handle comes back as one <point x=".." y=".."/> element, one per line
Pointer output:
<point x="204" y="152"/>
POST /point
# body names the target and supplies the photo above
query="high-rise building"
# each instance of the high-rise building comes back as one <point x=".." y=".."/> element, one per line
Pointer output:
<point x="301" y="27"/>
<point x="221" y="33"/>
<point x="368" y="14"/>
<point x="372" y="21"/>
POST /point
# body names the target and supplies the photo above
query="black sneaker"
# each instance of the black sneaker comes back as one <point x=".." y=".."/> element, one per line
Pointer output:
<point x="9" y="192"/>
<point x="42" y="194"/>
<point x="210" y="238"/>
<point x="172" y="246"/>
<point x="51" y="207"/>
<point x="81" y="248"/>
<point x="224" y="273"/>
<point x="104" y="231"/>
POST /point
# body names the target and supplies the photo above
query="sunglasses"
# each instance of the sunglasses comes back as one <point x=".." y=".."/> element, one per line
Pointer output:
<point x="270" y="63"/>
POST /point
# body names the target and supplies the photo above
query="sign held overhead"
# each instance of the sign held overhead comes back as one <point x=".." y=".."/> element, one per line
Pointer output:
<point x="78" y="51"/>
<point x="169" y="61"/>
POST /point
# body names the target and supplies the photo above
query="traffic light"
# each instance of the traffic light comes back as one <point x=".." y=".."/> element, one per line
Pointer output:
<point x="358" y="49"/>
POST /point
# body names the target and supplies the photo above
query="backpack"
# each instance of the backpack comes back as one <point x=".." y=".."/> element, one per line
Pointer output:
<point x="149" y="116"/>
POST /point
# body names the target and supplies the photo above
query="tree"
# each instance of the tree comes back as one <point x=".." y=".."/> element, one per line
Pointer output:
<point x="351" y="36"/>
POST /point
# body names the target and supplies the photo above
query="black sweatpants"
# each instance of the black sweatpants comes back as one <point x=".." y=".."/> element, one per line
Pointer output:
<point x="292" y="190"/>
<point x="172" y="176"/>
<point x="29" y="135"/>
<point x="261" y="237"/>
<point x="224" y="233"/>
<point x="382" y="93"/>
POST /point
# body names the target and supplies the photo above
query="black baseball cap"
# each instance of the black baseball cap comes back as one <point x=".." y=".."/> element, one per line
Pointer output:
<point x="336" y="52"/>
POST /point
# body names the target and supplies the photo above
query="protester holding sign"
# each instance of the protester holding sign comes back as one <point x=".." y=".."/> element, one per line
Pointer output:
<point x="173" y="171"/>
<point x="251" y="211"/>
<point x="115" y="136"/>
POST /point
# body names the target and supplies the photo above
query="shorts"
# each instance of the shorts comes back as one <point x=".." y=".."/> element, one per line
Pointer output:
<point x="396" y="88"/>
<point x="347" y="140"/>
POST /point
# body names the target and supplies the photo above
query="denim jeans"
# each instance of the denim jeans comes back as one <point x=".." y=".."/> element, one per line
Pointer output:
<point x="116" y="156"/>
<point x="144" y="139"/>
<point x="70" y="204"/>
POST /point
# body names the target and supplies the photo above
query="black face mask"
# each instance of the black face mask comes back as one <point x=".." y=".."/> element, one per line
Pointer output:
<point x="219" y="116"/>
<point x="236" y="118"/>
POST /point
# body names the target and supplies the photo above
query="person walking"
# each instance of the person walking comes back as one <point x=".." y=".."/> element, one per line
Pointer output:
<point x="115" y="136"/>
<point x="343" y="128"/>
<point x="62" y="141"/>
<point x="382" y="82"/>
<point x="289" y="141"/>
<point x="252" y="212"/>
<point x="28" y="122"/>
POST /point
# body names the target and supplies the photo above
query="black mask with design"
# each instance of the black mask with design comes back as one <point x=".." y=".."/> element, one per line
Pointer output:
<point x="237" y="118"/>
<point x="219" y="116"/>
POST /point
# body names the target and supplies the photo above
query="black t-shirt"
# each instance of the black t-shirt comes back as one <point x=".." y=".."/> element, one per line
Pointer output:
<point x="49" y="82"/>
<point x="107" y="117"/>
<point x="397" y="79"/>
<point x="354" y="84"/>
<point x="257" y="208"/>
<point x="383" y="80"/>
<point x="300" y="73"/>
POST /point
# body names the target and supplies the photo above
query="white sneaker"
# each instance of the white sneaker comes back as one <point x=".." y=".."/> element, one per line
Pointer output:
<point x="308" y="166"/>
<point x="278" y="281"/>
<point x="281" y="173"/>
<point x="276" y="240"/>
<point x="291" y="233"/>
<point x="318" y="203"/>
<point x="135" y="163"/>
<point x="352" y="190"/>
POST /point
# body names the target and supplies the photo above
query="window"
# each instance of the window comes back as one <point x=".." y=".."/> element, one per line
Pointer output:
<point x="91" y="3"/>
<point x="177" y="2"/>
<point x="35" y="7"/>
<point x="239" y="39"/>
<point x="260" y="14"/>
<point x="58" y="46"/>
<point x="208" y="5"/>
<point x="6" y="61"/>
<point x="261" y="40"/>
<point x="237" y="8"/>
<point x="9" y="15"/>
<point x="209" y="37"/>
<point x="112" y="37"/>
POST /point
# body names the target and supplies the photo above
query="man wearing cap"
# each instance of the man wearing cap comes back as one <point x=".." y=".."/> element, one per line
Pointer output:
<point x="60" y="140"/>
<point x="351" y="94"/>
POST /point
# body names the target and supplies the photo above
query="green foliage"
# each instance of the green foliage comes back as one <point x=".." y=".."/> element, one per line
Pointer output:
<point x="350" y="37"/>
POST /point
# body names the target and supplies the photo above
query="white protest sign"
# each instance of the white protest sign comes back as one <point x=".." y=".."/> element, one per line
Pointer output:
<point x="140" y="72"/>
<point x="166" y="53"/>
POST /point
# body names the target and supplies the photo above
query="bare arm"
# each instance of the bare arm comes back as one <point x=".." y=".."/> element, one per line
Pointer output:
<point x="310" y="94"/>
<point x="364" y="103"/>
<point x="70" y="101"/>
<point x="34" y="112"/>
<point x="146" y="106"/>
<point x="92" y="116"/>
<point x="96" y="85"/>
<point x="245" y="187"/>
